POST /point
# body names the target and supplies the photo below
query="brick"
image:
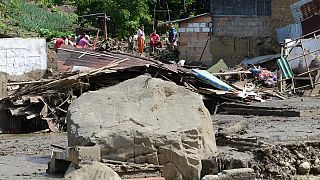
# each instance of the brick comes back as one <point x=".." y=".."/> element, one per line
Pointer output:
<point x="198" y="44"/>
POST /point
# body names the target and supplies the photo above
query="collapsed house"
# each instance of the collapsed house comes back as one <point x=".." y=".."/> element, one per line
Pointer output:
<point x="46" y="101"/>
<point x="88" y="84"/>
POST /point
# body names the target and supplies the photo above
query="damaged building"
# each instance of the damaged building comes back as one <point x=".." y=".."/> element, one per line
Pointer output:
<point x="21" y="60"/>
<point x="235" y="30"/>
<point x="246" y="28"/>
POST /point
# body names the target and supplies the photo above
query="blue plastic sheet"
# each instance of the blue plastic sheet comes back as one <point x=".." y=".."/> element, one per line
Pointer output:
<point x="211" y="79"/>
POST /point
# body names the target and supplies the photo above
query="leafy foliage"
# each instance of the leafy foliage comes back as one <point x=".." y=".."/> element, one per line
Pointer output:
<point x="127" y="15"/>
<point x="36" y="19"/>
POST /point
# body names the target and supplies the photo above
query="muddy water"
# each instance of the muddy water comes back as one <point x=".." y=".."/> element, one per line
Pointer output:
<point x="26" y="156"/>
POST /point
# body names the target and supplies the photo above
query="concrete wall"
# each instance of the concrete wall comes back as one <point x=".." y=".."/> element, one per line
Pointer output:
<point x="193" y="35"/>
<point x="234" y="37"/>
<point x="23" y="59"/>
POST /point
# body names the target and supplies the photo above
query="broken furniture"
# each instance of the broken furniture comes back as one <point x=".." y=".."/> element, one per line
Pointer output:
<point x="302" y="56"/>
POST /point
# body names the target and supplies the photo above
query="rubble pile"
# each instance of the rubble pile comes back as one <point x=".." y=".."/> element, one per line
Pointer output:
<point x="128" y="115"/>
<point x="269" y="161"/>
<point x="145" y="120"/>
<point x="286" y="161"/>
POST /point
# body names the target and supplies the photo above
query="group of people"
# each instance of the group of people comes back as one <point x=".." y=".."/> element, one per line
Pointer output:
<point x="155" y="38"/>
<point x="82" y="41"/>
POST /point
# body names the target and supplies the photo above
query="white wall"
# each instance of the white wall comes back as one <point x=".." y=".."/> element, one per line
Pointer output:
<point x="23" y="59"/>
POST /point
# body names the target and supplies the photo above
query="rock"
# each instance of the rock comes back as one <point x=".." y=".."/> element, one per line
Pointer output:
<point x="282" y="163"/>
<point x="145" y="120"/>
<point x="171" y="172"/>
<point x="211" y="177"/>
<point x="233" y="174"/>
<point x="317" y="161"/>
<point x="315" y="170"/>
<point x="287" y="164"/>
<point x="304" y="168"/>
<point x="236" y="128"/>
<point x="242" y="173"/>
<point x="96" y="171"/>
<point x="300" y="156"/>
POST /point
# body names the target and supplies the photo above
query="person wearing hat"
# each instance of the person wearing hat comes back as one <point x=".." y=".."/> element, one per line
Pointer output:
<point x="84" y="42"/>
<point x="141" y="37"/>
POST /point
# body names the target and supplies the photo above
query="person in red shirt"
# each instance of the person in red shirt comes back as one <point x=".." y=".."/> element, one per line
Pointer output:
<point x="155" y="40"/>
<point x="58" y="43"/>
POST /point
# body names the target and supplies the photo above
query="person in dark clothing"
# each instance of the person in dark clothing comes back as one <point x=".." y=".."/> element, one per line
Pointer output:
<point x="172" y="35"/>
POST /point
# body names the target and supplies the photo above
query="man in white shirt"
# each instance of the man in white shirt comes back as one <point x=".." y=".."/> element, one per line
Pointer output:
<point x="141" y="38"/>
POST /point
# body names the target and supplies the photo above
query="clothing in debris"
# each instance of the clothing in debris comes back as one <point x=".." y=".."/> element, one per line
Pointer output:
<point x="141" y="37"/>
<point x="265" y="75"/>
<point x="155" y="40"/>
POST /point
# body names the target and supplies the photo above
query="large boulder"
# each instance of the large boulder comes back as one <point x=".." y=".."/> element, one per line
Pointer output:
<point x="145" y="120"/>
<point x="95" y="170"/>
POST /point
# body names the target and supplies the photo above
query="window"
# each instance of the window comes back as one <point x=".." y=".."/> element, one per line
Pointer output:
<point x="241" y="7"/>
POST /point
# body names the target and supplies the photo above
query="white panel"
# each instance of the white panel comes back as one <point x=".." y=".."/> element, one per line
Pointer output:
<point x="195" y="25"/>
<point x="20" y="56"/>
<point x="189" y="29"/>
<point x="205" y="29"/>
<point x="203" y="25"/>
<point x="196" y="29"/>
<point x="190" y="25"/>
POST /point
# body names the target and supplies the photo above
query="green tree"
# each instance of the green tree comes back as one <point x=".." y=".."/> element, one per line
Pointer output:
<point x="126" y="15"/>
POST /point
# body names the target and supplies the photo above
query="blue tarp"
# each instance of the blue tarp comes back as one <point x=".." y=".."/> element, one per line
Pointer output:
<point x="211" y="79"/>
<point x="291" y="31"/>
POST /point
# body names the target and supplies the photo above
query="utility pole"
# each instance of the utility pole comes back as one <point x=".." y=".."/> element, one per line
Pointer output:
<point x="105" y="28"/>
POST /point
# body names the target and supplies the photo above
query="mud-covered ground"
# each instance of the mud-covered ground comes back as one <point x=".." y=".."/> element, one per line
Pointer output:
<point x="291" y="140"/>
<point x="274" y="129"/>
<point x="269" y="128"/>
<point x="26" y="156"/>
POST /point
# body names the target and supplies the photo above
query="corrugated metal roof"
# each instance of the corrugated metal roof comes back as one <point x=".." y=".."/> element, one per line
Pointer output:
<point x="88" y="58"/>
<point x="185" y="19"/>
<point x="71" y="57"/>
<point x="260" y="59"/>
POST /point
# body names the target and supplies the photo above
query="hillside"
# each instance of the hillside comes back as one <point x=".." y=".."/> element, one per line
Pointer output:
<point x="31" y="19"/>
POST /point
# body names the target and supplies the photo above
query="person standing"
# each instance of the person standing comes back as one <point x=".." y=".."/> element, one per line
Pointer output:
<point x="141" y="38"/>
<point x="155" y="40"/>
<point x="172" y="35"/>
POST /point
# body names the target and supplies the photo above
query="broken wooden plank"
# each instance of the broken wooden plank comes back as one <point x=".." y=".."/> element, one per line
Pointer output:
<point x="29" y="82"/>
